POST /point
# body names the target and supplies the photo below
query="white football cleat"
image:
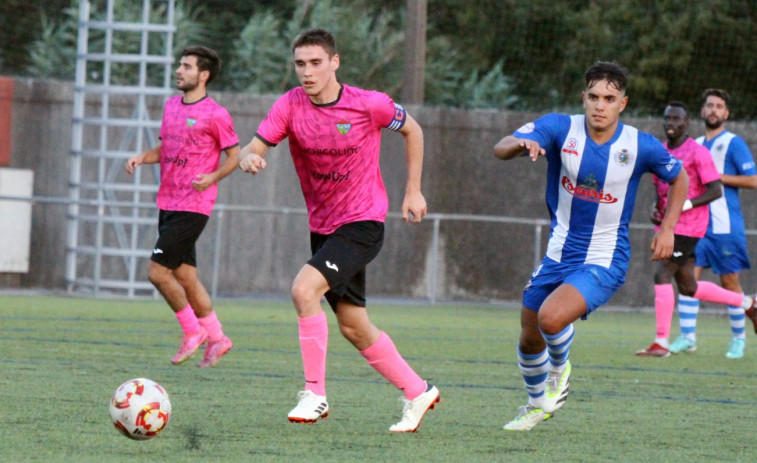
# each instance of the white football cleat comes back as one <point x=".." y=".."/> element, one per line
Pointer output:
<point x="414" y="410"/>
<point x="310" y="408"/>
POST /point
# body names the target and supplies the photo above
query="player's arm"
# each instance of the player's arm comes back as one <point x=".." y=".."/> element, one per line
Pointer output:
<point x="150" y="156"/>
<point x="251" y="157"/>
<point x="203" y="181"/>
<point x="714" y="191"/>
<point x="414" y="204"/>
<point x="663" y="241"/>
<point x="740" y="181"/>
<point x="512" y="147"/>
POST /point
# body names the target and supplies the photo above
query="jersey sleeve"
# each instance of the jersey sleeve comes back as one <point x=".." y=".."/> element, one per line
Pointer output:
<point x="742" y="157"/>
<point x="386" y="113"/>
<point x="660" y="161"/>
<point x="706" y="166"/>
<point x="275" y="127"/>
<point x="223" y="125"/>
<point x="544" y="129"/>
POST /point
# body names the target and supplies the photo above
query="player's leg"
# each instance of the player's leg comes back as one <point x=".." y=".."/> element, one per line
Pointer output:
<point x="736" y="316"/>
<point x="564" y="306"/>
<point x="732" y="258"/>
<point x="533" y="363"/>
<point x="199" y="299"/>
<point x="688" y="307"/>
<point x="168" y="255"/>
<point x="584" y="289"/>
<point x="187" y="228"/>
<point x="664" y="304"/>
<point x="164" y="281"/>
<point x="307" y="290"/>
<point x="380" y="352"/>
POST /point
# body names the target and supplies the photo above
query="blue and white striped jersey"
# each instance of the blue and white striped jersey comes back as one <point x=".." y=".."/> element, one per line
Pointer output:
<point x="732" y="157"/>
<point x="591" y="189"/>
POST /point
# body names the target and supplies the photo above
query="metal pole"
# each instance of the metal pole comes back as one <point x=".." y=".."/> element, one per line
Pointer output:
<point x="217" y="252"/>
<point x="415" y="53"/>
<point x="433" y="272"/>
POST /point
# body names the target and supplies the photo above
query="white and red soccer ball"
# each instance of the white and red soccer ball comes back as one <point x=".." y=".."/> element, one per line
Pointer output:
<point x="140" y="408"/>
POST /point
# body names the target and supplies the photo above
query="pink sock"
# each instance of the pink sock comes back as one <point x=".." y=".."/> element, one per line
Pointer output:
<point x="710" y="292"/>
<point x="384" y="357"/>
<point x="314" y="340"/>
<point x="664" y="304"/>
<point x="212" y="326"/>
<point x="188" y="320"/>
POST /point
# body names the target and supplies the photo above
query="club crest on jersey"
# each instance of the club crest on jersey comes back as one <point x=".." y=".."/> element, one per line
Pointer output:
<point x="343" y="127"/>
<point x="571" y="147"/>
<point x="191" y="122"/>
<point x="623" y="157"/>
<point x="588" y="190"/>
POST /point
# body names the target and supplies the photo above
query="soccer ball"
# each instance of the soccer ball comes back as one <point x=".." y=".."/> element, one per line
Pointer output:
<point x="140" y="408"/>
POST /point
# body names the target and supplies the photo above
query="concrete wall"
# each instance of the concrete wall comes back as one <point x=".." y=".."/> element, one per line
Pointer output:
<point x="261" y="253"/>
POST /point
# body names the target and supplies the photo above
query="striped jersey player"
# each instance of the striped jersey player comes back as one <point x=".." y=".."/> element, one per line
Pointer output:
<point x="595" y="164"/>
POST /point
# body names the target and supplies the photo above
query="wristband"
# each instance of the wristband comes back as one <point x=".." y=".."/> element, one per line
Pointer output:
<point x="687" y="205"/>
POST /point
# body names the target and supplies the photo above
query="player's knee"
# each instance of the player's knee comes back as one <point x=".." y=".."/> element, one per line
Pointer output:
<point x="661" y="278"/>
<point x="350" y="333"/>
<point x="158" y="275"/>
<point x="302" y="294"/>
<point x="687" y="289"/>
<point x="532" y="345"/>
<point x="550" y="323"/>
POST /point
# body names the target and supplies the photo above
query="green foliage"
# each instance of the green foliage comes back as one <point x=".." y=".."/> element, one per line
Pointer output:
<point x="63" y="357"/>
<point x="671" y="49"/>
<point x="53" y="54"/>
<point x="258" y="59"/>
<point x="254" y="65"/>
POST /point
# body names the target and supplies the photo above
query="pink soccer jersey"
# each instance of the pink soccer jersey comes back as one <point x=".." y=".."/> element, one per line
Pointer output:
<point x="192" y="138"/>
<point x="698" y="163"/>
<point x="335" y="149"/>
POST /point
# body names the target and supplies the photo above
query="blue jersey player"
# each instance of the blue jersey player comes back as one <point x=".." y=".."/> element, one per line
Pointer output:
<point x="724" y="247"/>
<point x="594" y="167"/>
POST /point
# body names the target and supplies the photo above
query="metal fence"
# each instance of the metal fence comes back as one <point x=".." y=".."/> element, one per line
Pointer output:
<point x="222" y="211"/>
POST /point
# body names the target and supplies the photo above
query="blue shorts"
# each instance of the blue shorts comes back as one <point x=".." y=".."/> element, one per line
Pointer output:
<point x="723" y="253"/>
<point x="595" y="283"/>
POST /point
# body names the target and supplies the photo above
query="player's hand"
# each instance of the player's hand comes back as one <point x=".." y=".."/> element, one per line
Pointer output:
<point x="203" y="181"/>
<point x="133" y="163"/>
<point x="533" y="150"/>
<point x="662" y="245"/>
<point x="413" y="207"/>
<point x="252" y="163"/>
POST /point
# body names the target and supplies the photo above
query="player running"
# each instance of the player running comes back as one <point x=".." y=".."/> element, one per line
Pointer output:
<point x="594" y="167"/>
<point x="194" y="131"/>
<point x="334" y="139"/>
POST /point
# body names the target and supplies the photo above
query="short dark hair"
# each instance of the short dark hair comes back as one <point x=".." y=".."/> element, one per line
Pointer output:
<point x="613" y="73"/>
<point x="207" y="60"/>
<point x="718" y="92"/>
<point x="678" y="104"/>
<point x="319" y="37"/>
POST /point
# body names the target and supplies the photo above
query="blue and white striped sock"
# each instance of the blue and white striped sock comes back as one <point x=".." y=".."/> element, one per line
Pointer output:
<point x="688" y="310"/>
<point x="558" y="346"/>
<point x="738" y="320"/>
<point x="534" y="368"/>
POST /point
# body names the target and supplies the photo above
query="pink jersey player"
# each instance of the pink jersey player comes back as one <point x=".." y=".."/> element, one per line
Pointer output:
<point x="334" y="133"/>
<point x="698" y="163"/>
<point x="336" y="152"/>
<point x="194" y="131"/>
<point x="192" y="138"/>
